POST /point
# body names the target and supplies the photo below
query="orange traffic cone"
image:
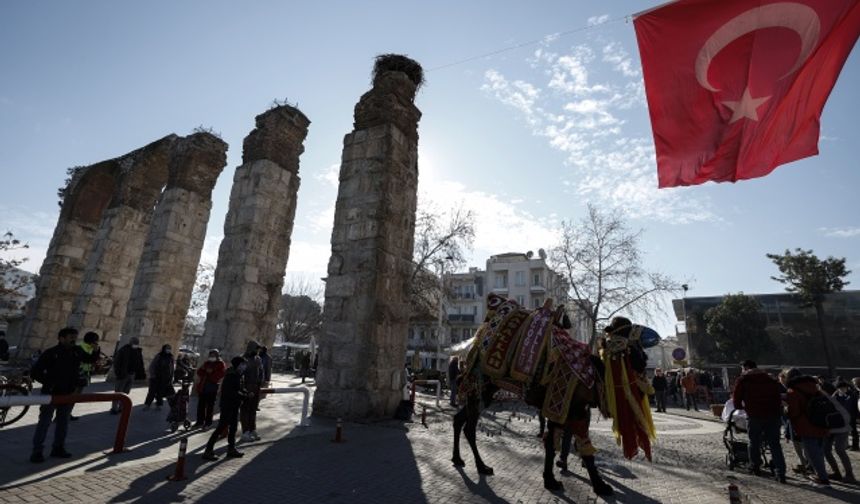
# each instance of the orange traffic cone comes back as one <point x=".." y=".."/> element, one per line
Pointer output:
<point x="179" y="474"/>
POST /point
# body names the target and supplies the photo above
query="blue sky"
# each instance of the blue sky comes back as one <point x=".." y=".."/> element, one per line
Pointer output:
<point x="526" y="137"/>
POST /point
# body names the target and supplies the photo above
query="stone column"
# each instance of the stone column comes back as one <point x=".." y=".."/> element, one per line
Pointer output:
<point x="246" y="292"/>
<point x="101" y="302"/>
<point x="363" y="345"/>
<point x="168" y="267"/>
<point x="87" y="195"/>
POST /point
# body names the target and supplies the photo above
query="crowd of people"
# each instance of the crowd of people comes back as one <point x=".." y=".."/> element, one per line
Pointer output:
<point x="66" y="368"/>
<point x="815" y="414"/>
<point x="686" y="387"/>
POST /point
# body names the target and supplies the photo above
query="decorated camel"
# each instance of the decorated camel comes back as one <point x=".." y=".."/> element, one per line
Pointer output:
<point x="531" y="354"/>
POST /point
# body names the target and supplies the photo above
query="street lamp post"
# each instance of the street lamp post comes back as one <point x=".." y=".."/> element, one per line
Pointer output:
<point x="686" y="327"/>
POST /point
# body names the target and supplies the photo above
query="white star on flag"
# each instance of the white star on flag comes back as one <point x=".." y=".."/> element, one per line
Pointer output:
<point x="746" y="107"/>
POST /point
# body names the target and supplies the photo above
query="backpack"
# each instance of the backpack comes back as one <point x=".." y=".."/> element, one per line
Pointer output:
<point x="823" y="413"/>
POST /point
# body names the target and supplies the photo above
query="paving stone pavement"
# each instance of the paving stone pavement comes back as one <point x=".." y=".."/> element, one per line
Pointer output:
<point x="380" y="462"/>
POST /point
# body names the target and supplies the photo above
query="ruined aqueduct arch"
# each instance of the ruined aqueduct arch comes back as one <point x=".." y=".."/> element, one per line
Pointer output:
<point x="127" y="244"/>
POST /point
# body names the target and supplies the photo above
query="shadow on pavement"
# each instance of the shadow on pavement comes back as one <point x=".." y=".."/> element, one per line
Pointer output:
<point x="373" y="465"/>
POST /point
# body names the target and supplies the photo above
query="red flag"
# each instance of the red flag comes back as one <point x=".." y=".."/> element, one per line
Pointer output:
<point x="736" y="87"/>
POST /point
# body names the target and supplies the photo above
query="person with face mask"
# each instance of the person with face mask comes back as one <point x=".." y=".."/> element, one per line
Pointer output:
<point x="127" y="367"/>
<point x="232" y="395"/>
<point x="58" y="370"/>
<point x="160" y="378"/>
<point x="253" y="376"/>
<point x="210" y="375"/>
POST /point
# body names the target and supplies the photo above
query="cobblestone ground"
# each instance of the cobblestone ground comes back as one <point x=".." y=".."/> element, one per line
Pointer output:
<point x="385" y="462"/>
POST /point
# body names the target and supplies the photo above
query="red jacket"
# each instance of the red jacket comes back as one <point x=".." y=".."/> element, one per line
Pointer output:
<point x="758" y="394"/>
<point x="800" y="390"/>
<point x="210" y="372"/>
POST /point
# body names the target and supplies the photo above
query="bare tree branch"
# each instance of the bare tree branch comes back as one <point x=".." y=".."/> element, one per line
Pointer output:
<point x="601" y="260"/>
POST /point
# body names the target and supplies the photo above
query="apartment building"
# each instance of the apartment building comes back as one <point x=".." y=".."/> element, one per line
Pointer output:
<point x="525" y="278"/>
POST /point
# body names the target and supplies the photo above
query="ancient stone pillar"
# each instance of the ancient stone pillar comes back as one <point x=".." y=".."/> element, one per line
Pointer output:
<point x="84" y="203"/>
<point x="168" y="267"/>
<point x="363" y="345"/>
<point x="246" y="292"/>
<point x="101" y="302"/>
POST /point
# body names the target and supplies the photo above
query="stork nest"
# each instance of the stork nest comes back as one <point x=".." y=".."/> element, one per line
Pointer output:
<point x="399" y="63"/>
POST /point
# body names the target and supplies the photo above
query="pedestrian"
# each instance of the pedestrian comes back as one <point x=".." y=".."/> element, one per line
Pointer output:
<point x="305" y="365"/>
<point x="660" y="385"/>
<point x="851" y="395"/>
<point x="837" y="440"/>
<point x="266" y="360"/>
<point x="453" y="372"/>
<point x="688" y="384"/>
<point x="253" y="380"/>
<point x="88" y="346"/>
<point x="672" y="378"/>
<point x="232" y="395"/>
<point x="58" y="370"/>
<point x="127" y="367"/>
<point x="761" y="397"/>
<point x="160" y="378"/>
<point x="801" y="390"/>
<point x="4" y="347"/>
<point x="790" y="435"/>
<point x="210" y="375"/>
<point x="184" y="371"/>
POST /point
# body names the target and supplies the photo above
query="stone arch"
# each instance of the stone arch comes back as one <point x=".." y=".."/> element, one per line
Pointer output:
<point x="167" y="270"/>
<point x="88" y="194"/>
<point x="101" y="301"/>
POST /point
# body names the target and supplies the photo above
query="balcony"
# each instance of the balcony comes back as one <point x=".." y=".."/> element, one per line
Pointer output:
<point x="462" y="317"/>
<point x="537" y="288"/>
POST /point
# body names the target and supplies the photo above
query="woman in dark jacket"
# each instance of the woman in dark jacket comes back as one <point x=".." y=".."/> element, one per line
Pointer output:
<point x="160" y="378"/>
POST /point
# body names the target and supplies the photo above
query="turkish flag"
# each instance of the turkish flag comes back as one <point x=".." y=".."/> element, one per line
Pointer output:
<point x="735" y="88"/>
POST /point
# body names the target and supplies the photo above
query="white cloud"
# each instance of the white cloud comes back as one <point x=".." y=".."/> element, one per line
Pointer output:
<point x="331" y="175"/>
<point x="585" y="119"/>
<point x="845" y="232"/>
<point x="596" y="20"/>
<point x="615" y="54"/>
<point x="497" y="218"/>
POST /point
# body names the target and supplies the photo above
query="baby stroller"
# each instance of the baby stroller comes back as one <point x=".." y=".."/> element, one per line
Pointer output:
<point x="179" y="408"/>
<point x="737" y="448"/>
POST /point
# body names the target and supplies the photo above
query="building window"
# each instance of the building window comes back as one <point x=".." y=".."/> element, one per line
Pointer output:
<point x="521" y="300"/>
<point x="502" y="280"/>
<point x="538" y="302"/>
<point x="520" y="278"/>
<point x="474" y="309"/>
<point x="536" y="279"/>
<point x="423" y="335"/>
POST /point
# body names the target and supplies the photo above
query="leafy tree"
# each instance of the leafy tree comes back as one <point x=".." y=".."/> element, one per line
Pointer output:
<point x="301" y="315"/>
<point x="601" y="261"/>
<point x="13" y="282"/>
<point x="811" y="279"/>
<point x="737" y="327"/>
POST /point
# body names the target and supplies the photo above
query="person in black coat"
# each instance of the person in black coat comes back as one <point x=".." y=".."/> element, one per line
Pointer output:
<point x="127" y="367"/>
<point x="58" y="370"/>
<point x="232" y="394"/>
<point x="660" y="384"/>
<point x="160" y="378"/>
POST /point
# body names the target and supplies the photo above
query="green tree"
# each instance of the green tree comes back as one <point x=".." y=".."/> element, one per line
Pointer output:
<point x="737" y="327"/>
<point x="811" y="279"/>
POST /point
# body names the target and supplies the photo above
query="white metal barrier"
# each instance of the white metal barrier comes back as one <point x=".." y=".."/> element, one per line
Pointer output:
<point x="295" y="390"/>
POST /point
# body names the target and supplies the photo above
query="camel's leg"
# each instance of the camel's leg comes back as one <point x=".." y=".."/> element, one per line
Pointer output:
<point x="459" y="421"/>
<point x="549" y="481"/>
<point x="471" y="429"/>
